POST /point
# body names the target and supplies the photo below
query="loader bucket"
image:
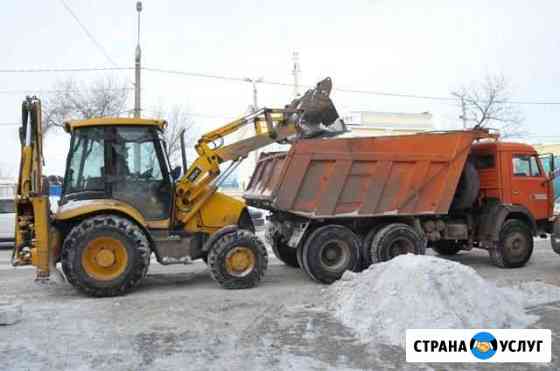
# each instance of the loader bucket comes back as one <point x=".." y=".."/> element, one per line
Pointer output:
<point x="316" y="114"/>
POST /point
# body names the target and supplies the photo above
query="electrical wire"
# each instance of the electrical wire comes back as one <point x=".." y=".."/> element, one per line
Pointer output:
<point x="49" y="70"/>
<point x="448" y="99"/>
<point x="89" y="34"/>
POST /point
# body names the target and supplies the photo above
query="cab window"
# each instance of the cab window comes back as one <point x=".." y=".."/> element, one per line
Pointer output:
<point x="85" y="170"/>
<point x="525" y="166"/>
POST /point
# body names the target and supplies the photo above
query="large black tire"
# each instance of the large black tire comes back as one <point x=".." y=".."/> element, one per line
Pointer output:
<point x="396" y="239"/>
<point x="515" y="247"/>
<point x="252" y="253"/>
<point x="281" y="250"/>
<point x="101" y="281"/>
<point x="329" y="252"/>
<point x="446" y="247"/>
<point x="285" y="253"/>
<point x="555" y="237"/>
<point x="366" y="245"/>
<point x="468" y="188"/>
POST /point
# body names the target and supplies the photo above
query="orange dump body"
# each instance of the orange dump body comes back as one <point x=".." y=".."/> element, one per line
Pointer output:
<point x="363" y="177"/>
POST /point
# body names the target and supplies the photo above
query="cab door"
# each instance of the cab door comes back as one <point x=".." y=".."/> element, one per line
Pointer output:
<point x="529" y="185"/>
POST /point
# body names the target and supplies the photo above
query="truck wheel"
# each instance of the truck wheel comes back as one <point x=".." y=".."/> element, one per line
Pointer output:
<point x="467" y="189"/>
<point x="515" y="246"/>
<point x="446" y="247"/>
<point x="329" y="252"/>
<point x="105" y="255"/>
<point x="396" y="239"/>
<point x="555" y="237"/>
<point x="238" y="260"/>
<point x="366" y="246"/>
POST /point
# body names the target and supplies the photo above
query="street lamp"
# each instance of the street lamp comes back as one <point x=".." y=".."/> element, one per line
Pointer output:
<point x="137" y="66"/>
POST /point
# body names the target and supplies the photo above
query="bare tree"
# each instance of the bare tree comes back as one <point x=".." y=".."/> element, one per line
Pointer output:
<point x="178" y="119"/>
<point x="488" y="104"/>
<point x="71" y="100"/>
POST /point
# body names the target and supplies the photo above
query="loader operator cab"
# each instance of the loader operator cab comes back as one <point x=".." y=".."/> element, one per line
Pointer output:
<point x="121" y="162"/>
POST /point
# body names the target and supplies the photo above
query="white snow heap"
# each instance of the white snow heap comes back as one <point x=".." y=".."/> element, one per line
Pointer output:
<point x="417" y="292"/>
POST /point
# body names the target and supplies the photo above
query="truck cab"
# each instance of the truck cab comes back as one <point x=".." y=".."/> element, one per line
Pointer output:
<point x="513" y="174"/>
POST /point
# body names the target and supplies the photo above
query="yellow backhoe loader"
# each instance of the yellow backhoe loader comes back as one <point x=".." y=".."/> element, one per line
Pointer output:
<point x="121" y="200"/>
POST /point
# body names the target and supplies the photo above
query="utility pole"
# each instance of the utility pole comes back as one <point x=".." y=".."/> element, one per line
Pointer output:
<point x="255" y="106"/>
<point x="295" y="72"/>
<point x="137" y="67"/>
<point x="463" y="116"/>
<point x="254" y="82"/>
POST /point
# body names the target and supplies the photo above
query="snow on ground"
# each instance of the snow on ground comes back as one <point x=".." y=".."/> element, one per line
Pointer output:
<point x="413" y="291"/>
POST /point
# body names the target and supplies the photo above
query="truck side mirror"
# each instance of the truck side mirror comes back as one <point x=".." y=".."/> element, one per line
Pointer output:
<point x="176" y="173"/>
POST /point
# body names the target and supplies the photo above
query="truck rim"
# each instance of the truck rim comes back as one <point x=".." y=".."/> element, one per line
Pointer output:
<point x="240" y="261"/>
<point x="516" y="245"/>
<point x="104" y="258"/>
<point x="400" y="246"/>
<point x="335" y="255"/>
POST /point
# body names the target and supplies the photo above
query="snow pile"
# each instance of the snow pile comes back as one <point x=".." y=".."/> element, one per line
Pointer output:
<point x="415" y="292"/>
<point x="535" y="293"/>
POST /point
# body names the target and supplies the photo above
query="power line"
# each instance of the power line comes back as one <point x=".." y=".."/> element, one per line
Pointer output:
<point x="266" y="82"/>
<point x="194" y="74"/>
<point x="49" y="70"/>
<point x="89" y="34"/>
<point x="342" y="90"/>
<point x="54" y="91"/>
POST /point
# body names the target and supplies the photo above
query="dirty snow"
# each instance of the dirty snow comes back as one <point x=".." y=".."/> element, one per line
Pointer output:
<point x="535" y="293"/>
<point x="415" y="292"/>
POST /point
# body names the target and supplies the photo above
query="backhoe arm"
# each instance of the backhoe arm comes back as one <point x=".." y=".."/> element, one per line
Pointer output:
<point x="308" y="116"/>
<point x="32" y="229"/>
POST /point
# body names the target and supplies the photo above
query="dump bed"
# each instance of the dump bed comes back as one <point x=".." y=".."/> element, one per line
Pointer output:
<point x="363" y="177"/>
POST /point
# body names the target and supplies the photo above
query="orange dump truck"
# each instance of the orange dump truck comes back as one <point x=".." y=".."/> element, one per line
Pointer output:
<point x="345" y="203"/>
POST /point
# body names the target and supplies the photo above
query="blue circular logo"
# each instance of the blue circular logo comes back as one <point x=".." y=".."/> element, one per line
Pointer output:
<point x="483" y="345"/>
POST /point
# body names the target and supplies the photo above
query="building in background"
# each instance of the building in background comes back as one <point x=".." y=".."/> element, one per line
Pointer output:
<point x="370" y="123"/>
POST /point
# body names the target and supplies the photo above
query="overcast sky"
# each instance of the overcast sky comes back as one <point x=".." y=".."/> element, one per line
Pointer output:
<point x="416" y="47"/>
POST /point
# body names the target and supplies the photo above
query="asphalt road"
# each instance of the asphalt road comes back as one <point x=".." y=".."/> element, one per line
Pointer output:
<point x="180" y="319"/>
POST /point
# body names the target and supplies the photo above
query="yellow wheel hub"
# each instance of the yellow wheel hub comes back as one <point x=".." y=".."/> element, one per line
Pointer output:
<point x="104" y="258"/>
<point x="240" y="261"/>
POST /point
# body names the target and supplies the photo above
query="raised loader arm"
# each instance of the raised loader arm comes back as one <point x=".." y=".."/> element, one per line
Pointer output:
<point x="32" y="225"/>
<point x="312" y="115"/>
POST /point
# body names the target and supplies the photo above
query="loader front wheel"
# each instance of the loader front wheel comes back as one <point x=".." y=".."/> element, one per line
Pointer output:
<point x="238" y="260"/>
<point x="105" y="255"/>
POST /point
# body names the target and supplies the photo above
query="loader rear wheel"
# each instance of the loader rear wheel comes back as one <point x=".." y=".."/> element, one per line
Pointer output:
<point x="446" y="247"/>
<point x="105" y="255"/>
<point x="396" y="239"/>
<point x="238" y="260"/>
<point x="515" y="247"/>
<point x="329" y="252"/>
